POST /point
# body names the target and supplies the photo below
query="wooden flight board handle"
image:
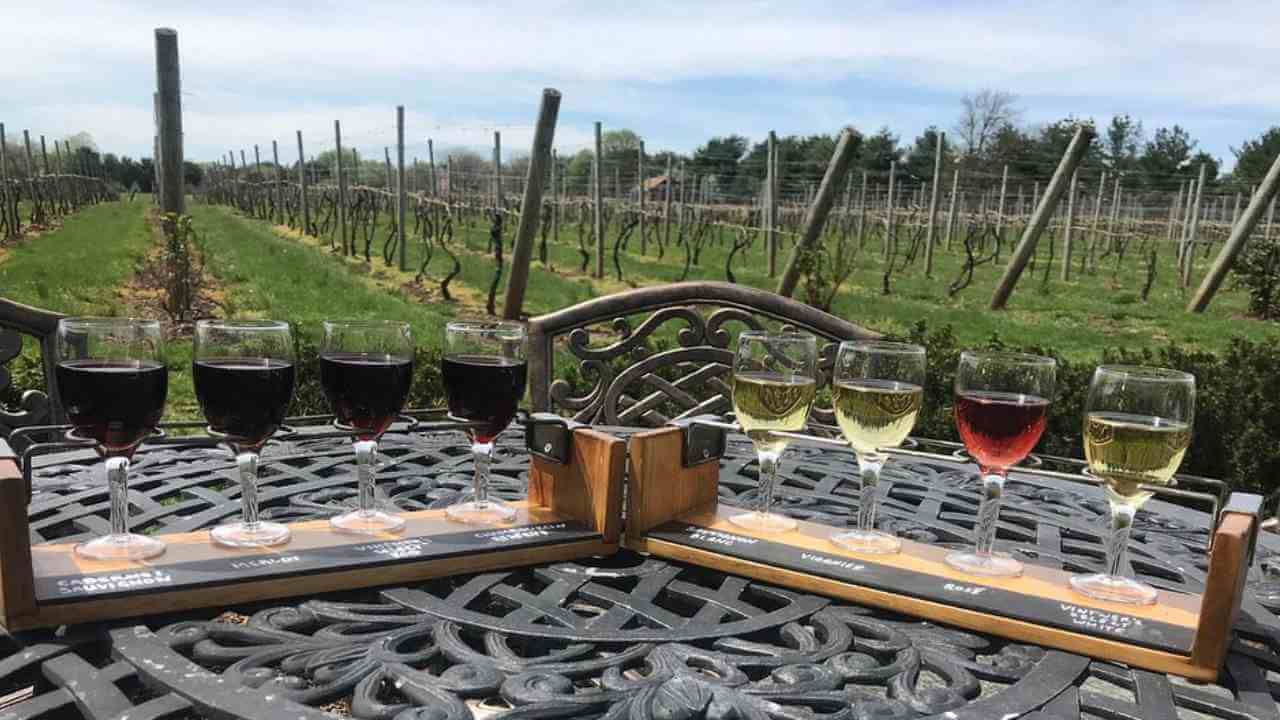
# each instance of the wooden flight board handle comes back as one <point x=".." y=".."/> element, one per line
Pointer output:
<point x="573" y="511"/>
<point x="673" y="511"/>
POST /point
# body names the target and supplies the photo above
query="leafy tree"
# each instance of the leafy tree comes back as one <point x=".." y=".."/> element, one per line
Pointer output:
<point x="1018" y="149"/>
<point x="720" y="158"/>
<point x="1123" y="138"/>
<point x="192" y="174"/>
<point x="879" y="150"/>
<point x="920" y="158"/>
<point x="579" y="172"/>
<point x="1254" y="157"/>
<point x="1167" y="159"/>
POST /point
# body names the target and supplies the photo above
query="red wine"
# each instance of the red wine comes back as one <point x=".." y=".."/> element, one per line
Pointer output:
<point x="1000" y="428"/>
<point x="244" y="398"/>
<point x="115" y="402"/>
<point x="484" y="389"/>
<point x="367" y="390"/>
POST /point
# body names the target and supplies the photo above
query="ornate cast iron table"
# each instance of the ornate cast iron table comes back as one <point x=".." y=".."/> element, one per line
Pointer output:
<point x="624" y="637"/>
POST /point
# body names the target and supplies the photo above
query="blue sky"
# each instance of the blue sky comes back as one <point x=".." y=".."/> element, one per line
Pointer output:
<point x="675" y="72"/>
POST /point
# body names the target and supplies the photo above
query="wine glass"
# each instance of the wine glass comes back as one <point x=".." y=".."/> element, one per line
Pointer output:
<point x="1001" y="408"/>
<point x="879" y="389"/>
<point x="243" y="375"/>
<point x="773" y="389"/>
<point x="113" y="384"/>
<point x="1137" y="427"/>
<point x="366" y="367"/>
<point x="484" y="371"/>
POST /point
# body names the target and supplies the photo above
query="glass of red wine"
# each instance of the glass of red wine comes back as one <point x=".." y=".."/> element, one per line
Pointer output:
<point x="113" y="384"/>
<point x="1001" y="407"/>
<point x="366" y="367"/>
<point x="484" y="371"/>
<point x="243" y="374"/>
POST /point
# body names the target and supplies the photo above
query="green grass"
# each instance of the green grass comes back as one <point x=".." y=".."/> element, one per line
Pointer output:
<point x="261" y="271"/>
<point x="79" y="267"/>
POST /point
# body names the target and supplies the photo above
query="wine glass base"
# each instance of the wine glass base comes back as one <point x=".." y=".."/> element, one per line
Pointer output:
<point x="241" y="535"/>
<point x="488" y="512"/>
<point x="1112" y="588"/>
<point x="121" y="547"/>
<point x="992" y="565"/>
<point x="763" y="522"/>
<point x="870" y="542"/>
<point x="366" y="522"/>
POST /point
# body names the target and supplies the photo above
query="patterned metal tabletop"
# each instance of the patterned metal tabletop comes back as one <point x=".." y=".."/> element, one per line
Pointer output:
<point x="621" y="637"/>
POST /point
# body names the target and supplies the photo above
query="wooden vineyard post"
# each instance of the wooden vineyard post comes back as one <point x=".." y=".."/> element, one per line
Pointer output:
<point x="402" y="200"/>
<point x="275" y="161"/>
<point x="1188" y="256"/>
<point x="931" y="231"/>
<point x="497" y="170"/>
<point x="770" y="205"/>
<point x="169" y="106"/>
<point x="1004" y="187"/>
<point x="640" y="197"/>
<point x="302" y="187"/>
<point x="531" y="204"/>
<point x="1240" y="232"/>
<point x="1069" y="228"/>
<point x="891" y="208"/>
<point x="342" y="190"/>
<point x="816" y="215"/>
<point x="1040" y="219"/>
<point x="951" y="209"/>
<point x="596" y="209"/>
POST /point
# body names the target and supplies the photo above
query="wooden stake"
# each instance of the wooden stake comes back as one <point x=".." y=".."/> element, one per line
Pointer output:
<point x="640" y="196"/>
<point x="666" y="206"/>
<point x="940" y="148"/>
<point x="302" y="187"/>
<point x="342" y="191"/>
<point x="1004" y="186"/>
<point x="497" y="169"/>
<point x="1239" y="236"/>
<point x="770" y="204"/>
<point x="169" y="94"/>
<point x="598" y="217"/>
<point x="1040" y="219"/>
<point x="891" y="206"/>
<point x="951" y="210"/>
<point x="402" y="199"/>
<point x="1188" y="258"/>
<point x="531" y="205"/>
<point x="431" y="168"/>
<point x="275" y="160"/>
<point x="816" y="215"/>
<point x="1067" y="231"/>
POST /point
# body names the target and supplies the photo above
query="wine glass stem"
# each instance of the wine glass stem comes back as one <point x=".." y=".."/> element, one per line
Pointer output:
<point x="768" y="478"/>
<point x="989" y="512"/>
<point x="366" y="455"/>
<point x="1118" y="543"/>
<point x="247" y="463"/>
<point x="869" y="466"/>
<point x="118" y="488"/>
<point x="482" y="454"/>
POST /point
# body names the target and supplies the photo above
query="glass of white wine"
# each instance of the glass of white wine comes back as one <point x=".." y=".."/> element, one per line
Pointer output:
<point x="879" y="389"/>
<point x="774" y="384"/>
<point x="1137" y="427"/>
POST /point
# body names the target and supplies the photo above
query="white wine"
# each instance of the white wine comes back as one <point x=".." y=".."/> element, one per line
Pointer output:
<point x="767" y="401"/>
<point x="1130" y="450"/>
<point x="875" y="414"/>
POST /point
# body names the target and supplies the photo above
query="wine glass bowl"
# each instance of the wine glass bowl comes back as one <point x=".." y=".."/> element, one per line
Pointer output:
<point x="1137" y="428"/>
<point x="366" y="369"/>
<point x="485" y="370"/>
<point x="1001" y="410"/>
<point x="243" y="373"/>
<point x="774" y="385"/>
<point x="113" y="384"/>
<point x="878" y="389"/>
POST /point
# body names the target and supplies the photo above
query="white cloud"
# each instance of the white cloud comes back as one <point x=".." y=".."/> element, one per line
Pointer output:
<point x="253" y="71"/>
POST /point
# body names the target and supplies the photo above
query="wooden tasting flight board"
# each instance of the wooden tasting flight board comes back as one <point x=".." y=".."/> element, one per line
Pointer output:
<point x="573" y="511"/>
<point x="673" y="512"/>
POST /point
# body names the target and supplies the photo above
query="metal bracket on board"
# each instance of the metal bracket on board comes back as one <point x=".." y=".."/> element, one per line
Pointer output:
<point x="549" y="436"/>
<point x="704" y="438"/>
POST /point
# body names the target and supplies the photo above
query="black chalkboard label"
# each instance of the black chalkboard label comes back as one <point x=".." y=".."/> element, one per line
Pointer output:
<point x="971" y="595"/>
<point x="230" y="569"/>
